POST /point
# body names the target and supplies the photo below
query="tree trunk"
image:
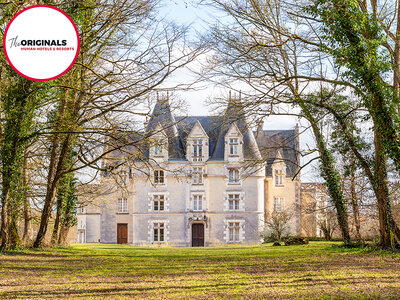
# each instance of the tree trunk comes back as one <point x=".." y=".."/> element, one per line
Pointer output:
<point x="331" y="176"/>
<point x="5" y="223"/>
<point x="354" y="201"/>
<point x="386" y="223"/>
<point x="55" y="172"/>
<point x="27" y="207"/>
<point x="57" y="222"/>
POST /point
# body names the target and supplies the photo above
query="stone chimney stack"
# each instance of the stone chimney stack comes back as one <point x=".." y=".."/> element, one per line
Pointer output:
<point x="162" y="99"/>
<point x="146" y="122"/>
<point x="260" y="126"/>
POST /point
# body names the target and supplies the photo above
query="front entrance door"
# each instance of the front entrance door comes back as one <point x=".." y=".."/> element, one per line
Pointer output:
<point x="122" y="233"/>
<point x="198" y="235"/>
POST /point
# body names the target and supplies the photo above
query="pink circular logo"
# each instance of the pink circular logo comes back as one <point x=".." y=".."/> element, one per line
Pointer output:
<point x="41" y="43"/>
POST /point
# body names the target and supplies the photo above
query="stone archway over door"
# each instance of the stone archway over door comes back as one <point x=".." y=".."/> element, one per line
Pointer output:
<point x="197" y="235"/>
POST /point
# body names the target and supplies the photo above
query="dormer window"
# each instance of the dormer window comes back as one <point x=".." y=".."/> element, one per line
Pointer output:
<point x="197" y="150"/>
<point x="197" y="144"/>
<point x="158" y="149"/>
<point x="279" y="176"/>
<point x="233" y="146"/>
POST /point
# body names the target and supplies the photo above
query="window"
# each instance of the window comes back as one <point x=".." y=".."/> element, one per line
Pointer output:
<point x="233" y="175"/>
<point x="233" y="201"/>
<point x="159" y="177"/>
<point x="279" y="177"/>
<point x="158" y="149"/>
<point x="122" y="176"/>
<point x="122" y="205"/>
<point x="278" y="204"/>
<point x="233" y="146"/>
<point x="158" y="202"/>
<point x="197" y="150"/>
<point x="81" y="210"/>
<point x="197" y="175"/>
<point x="197" y="202"/>
<point x="234" y="229"/>
<point x="158" y="232"/>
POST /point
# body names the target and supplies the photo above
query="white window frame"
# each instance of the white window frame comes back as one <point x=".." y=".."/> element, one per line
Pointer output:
<point x="158" y="149"/>
<point x="158" y="177"/>
<point x="158" y="199"/>
<point x="234" y="179"/>
<point x="234" y="201"/>
<point x="279" y="204"/>
<point x="197" y="175"/>
<point x="279" y="175"/>
<point x="198" y="202"/>
<point x="234" y="231"/>
<point x="159" y="232"/>
<point x="233" y="146"/>
<point x="122" y="205"/>
<point x="198" y="150"/>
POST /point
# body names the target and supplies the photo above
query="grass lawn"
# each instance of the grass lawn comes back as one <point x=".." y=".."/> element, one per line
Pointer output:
<point x="101" y="270"/>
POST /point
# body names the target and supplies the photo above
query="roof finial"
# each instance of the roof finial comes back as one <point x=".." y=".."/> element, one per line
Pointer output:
<point x="230" y="95"/>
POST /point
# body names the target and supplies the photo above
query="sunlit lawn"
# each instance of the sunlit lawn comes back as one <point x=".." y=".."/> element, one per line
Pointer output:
<point x="99" y="270"/>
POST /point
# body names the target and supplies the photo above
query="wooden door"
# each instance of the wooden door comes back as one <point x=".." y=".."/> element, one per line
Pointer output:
<point x="122" y="233"/>
<point x="198" y="235"/>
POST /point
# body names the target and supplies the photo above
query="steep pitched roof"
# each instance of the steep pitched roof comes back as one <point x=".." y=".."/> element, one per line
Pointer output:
<point x="162" y="115"/>
<point x="210" y="124"/>
<point x="261" y="146"/>
<point x="235" y="113"/>
<point x="286" y="141"/>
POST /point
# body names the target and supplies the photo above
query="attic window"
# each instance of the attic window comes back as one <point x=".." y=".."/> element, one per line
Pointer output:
<point x="279" y="178"/>
<point x="158" y="149"/>
<point x="197" y="150"/>
<point x="233" y="146"/>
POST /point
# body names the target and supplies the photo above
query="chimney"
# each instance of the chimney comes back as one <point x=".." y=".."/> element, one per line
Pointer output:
<point x="260" y="126"/>
<point x="163" y="99"/>
<point x="146" y="122"/>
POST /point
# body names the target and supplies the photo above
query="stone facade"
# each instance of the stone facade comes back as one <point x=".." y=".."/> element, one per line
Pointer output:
<point x="196" y="181"/>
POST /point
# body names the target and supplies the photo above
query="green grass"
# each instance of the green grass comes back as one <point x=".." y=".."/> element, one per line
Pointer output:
<point x="317" y="270"/>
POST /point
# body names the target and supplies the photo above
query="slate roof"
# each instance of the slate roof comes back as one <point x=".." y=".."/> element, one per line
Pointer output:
<point x="261" y="145"/>
<point x="216" y="127"/>
<point x="270" y="142"/>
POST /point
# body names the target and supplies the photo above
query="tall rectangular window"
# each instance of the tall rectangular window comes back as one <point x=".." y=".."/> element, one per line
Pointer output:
<point x="279" y="177"/>
<point x="233" y="146"/>
<point x="197" y="202"/>
<point x="234" y="230"/>
<point x="158" y="232"/>
<point x="122" y="205"/>
<point x="158" y="149"/>
<point x="278" y="204"/>
<point x="197" y="150"/>
<point x="197" y="175"/>
<point x="233" y="175"/>
<point x="159" y="177"/>
<point x="233" y="201"/>
<point x="158" y="202"/>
